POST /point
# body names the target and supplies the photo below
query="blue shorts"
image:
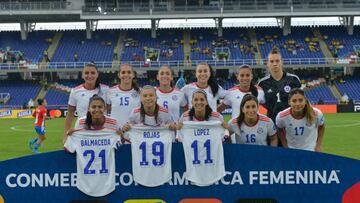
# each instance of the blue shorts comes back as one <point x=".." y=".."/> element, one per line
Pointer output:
<point x="40" y="130"/>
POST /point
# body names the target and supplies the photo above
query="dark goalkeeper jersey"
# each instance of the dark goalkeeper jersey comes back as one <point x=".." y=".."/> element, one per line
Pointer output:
<point x="277" y="92"/>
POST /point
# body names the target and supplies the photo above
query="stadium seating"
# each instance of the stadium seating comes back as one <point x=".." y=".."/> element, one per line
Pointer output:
<point x="56" y="98"/>
<point x="33" y="48"/>
<point x="166" y="39"/>
<point x="314" y="94"/>
<point x="99" y="48"/>
<point x="339" y="34"/>
<point x="20" y="91"/>
<point x="351" y="87"/>
<point x="272" y="36"/>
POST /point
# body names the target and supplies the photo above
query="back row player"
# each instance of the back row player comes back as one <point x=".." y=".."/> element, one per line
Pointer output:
<point x="122" y="98"/>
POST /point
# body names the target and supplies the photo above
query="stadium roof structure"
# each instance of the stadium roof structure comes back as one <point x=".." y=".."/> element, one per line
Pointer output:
<point x="74" y="10"/>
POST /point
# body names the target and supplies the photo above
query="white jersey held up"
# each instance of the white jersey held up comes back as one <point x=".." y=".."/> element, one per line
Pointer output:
<point x="172" y="101"/>
<point x="95" y="159"/>
<point x="79" y="97"/>
<point x="192" y="87"/>
<point x="203" y="149"/>
<point x="122" y="103"/>
<point x="256" y="134"/>
<point x="151" y="155"/>
<point x="234" y="96"/>
<point x="299" y="133"/>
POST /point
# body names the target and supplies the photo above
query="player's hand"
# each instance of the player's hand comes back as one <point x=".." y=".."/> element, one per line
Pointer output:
<point x="225" y="125"/>
<point x="179" y="126"/>
<point x="173" y="126"/>
<point x="70" y="132"/>
<point x="120" y="133"/>
<point x="317" y="149"/>
<point x="126" y="127"/>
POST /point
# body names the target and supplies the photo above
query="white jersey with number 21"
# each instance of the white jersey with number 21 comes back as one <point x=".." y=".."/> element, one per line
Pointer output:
<point x="95" y="160"/>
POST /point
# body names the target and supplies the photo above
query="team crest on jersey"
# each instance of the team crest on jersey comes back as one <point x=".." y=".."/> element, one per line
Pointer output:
<point x="238" y="97"/>
<point x="269" y="91"/>
<point x="287" y="88"/>
<point x="116" y="95"/>
<point x="174" y="98"/>
<point x="134" y="94"/>
<point x="260" y="130"/>
<point x="82" y="94"/>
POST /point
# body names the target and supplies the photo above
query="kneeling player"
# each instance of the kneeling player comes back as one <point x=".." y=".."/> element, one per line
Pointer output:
<point x="301" y="125"/>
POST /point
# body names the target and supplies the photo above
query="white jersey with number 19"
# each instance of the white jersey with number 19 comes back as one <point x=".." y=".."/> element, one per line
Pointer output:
<point x="95" y="158"/>
<point x="151" y="155"/>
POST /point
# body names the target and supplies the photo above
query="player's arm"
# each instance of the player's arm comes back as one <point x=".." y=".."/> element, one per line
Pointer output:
<point x="221" y="107"/>
<point x="274" y="140"/>
<point x="321" y="130"/>
<point x="282" y="135"/>
<point x="68" y="121"/>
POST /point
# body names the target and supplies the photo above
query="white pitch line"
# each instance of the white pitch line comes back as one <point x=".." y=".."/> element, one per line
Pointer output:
<point x="16" y="128"/>
<point x="343" y="125"/>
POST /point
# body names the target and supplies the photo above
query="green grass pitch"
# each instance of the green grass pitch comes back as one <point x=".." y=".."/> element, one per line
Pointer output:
<point x="342" y="136"/>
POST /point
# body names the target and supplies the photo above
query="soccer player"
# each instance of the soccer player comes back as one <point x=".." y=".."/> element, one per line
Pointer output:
<point x="80" y="95"/>
<point x="201" y="132"/>
<point x="277" y="85"/>
<point x="234" y="96"/>
<point x="149" y="113"/>
<point x="207" y="82"/>
<point x="301" y="126"/>
<point x="40" y="115"/>
<point x="94" y="144"/>
<point x="201" y="110"/>
<point x="169" y="97"/>
<point x="251" y="127"/>
<point x="124" y="97"/>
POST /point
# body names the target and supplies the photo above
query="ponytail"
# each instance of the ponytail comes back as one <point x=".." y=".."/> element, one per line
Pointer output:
<point x="88" y="121"/>
<point x="309" y="112"/>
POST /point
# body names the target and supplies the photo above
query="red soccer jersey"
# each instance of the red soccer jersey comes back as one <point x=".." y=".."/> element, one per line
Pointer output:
<point x="40" y="116"/>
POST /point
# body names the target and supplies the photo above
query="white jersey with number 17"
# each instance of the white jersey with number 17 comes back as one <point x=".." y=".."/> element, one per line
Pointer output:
<point x="95" y="158"/>
<point x="203" y="149"/>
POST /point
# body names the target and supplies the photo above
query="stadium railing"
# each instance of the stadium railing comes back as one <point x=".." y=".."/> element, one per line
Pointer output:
<point x="178" y="64"/>
<point x="45" y="5"/>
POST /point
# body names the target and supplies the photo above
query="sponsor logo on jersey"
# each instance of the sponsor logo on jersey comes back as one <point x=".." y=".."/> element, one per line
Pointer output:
<point x="260" y="130"/>
<point x="269" y="91"/>
<point x="116" y="95"/>
<point x="287" y="88"/>
<point x="82" y="94"/>
<point x="144" y="201"/>
<point x="174" y="98"/>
